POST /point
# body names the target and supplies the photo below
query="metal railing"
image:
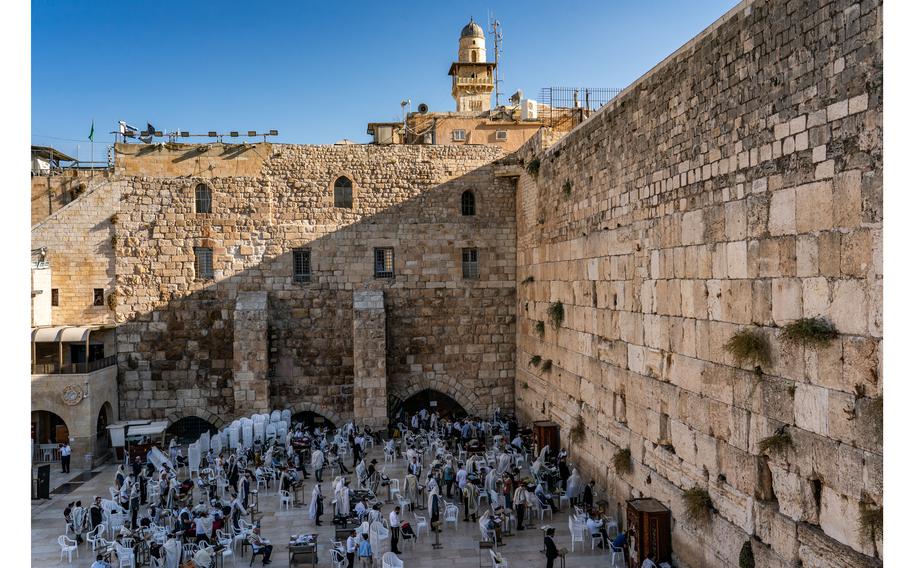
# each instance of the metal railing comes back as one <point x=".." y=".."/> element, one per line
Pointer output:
<point x="73" y="368"/>
<point x="564" y="108"/>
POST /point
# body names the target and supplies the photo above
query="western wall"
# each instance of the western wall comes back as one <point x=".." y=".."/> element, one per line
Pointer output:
<point x="737" y="185"/>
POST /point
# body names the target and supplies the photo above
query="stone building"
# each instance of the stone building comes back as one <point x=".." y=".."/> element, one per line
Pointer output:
<point x="735" y="186"/>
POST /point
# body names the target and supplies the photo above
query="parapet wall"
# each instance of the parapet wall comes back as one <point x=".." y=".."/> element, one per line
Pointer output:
<point x="737" y="185"/>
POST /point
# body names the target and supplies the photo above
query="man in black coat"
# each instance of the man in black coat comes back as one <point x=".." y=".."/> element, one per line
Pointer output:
<point x="550" y="547"/>
<point x="95" y="513"/>
<point x="588" y="498"/>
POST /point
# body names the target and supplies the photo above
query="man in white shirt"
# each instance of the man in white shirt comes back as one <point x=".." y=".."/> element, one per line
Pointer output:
<point x="395" y="528"/>
<point x="461" y="477"/>
<point x="351" y="548"/>
<point x="595" y="526"/>
<point x="649" y="561"/>
<point x="65" y="453"/>
<point x="517" y="442"/>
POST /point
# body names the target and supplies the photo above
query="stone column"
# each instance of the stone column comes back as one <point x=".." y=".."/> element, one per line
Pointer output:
<point x="370" y="394"/>
<point x="251" y="353"/>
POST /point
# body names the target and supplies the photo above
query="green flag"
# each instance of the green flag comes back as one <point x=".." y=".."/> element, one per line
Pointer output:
<point x="91" y="134"/>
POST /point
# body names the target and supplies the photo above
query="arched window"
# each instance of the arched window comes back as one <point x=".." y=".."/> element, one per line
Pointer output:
<point x="203" y="199"/>
<point x="473" y="56"/>
<point x="467" y="203"/>
<point x="344" y="193"/>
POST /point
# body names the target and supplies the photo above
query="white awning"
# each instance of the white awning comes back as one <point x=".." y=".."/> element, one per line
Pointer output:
<point x="64" y="333"/>
<point x="153" y="429"/>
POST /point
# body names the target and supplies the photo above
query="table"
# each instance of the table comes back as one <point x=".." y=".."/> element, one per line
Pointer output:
<point x="308" y="551"/>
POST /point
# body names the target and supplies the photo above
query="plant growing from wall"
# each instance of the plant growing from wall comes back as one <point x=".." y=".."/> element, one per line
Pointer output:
<point x="871" y="519"/>
<point x="557" y="314"/>
<point x="540" y="328"/>
<point x="528" y="280"/>
<point x="535" y="360"/>
<point x="533" y="167"/>
<point x="113" y="241"/>
<point x="698" y="503"/>
<point x="567" y="188"/>
<point x="777" y="442"/>
<point x="746" y="557"/>
<point x="622" y="461"/>
<point x="547" y="366"/>
<point x="808" y="332"/>
<point x="749" y="346"/>
<point x="114" y="219"/>
<point x="577" y="432"/>
<point x="524" y="385"/>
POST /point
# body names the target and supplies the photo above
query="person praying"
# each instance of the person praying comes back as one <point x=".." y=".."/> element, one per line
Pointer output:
<point x="316" y="503"/>
<point x="317" y="461"/>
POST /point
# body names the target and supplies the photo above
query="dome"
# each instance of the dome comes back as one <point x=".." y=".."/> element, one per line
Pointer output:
<point x="472" y="30"/>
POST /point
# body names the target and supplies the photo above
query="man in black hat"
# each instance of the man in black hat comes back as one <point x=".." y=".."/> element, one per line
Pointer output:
<point x="550" y="547"/>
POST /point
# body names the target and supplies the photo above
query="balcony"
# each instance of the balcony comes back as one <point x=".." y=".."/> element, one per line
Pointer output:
<point x="73" y="368"/>
<point x="476" y="81"/>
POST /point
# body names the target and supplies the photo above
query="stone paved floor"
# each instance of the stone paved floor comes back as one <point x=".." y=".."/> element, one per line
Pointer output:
<point x="460" y="545"/>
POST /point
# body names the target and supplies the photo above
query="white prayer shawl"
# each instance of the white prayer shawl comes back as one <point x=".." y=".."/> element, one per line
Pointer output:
<point x="410" y="487"/>
<point x="489" y="484"/>
<point x="574" y="486"/>
<point x="504" y="463"/>
<point x="318" y="459"/>
<point x="313" y="500"/>
<point x="343" y="501"/>
<point x="171" y="553"/>
<point x="361" y="471"/>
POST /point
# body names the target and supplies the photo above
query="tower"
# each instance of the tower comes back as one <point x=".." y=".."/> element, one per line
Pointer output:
<point x="472" y="76"/>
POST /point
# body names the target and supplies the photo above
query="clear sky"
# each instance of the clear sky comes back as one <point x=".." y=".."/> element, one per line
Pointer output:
<point x="317" y="71"/>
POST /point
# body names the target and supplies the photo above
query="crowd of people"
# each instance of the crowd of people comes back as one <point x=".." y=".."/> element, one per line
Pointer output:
<point x="458" y="462"/>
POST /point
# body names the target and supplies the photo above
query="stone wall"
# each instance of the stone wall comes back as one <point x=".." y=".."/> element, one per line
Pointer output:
<point x="735" y="186"/>
<point x="51" y="193"/>
<point x="177" y="341"/>
<point x="80" y="251"/>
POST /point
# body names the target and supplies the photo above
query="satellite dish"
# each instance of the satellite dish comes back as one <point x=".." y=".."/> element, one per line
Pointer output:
<point x="422" y="108"/>
<point x="516" y="98"/>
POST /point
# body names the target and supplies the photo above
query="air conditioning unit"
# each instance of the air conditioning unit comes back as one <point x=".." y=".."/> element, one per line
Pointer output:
<point x="529" y="109"/>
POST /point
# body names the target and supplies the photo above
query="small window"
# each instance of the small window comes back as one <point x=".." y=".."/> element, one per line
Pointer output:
<point x="469" y="265"/>
<point x="467" y="204"/>
<point x="473" y="56"/>
<point x="98" y="297"/>
<point x="203" y="199"/>
<point x="301" y="265"/>
<point x="204" y="268"/>
<point x="55" y="297"/>
<point x="502" y="135"/>
<point x="384" y="262"/>
<point x="344" y="193"/>
<point x="458" y="135"/>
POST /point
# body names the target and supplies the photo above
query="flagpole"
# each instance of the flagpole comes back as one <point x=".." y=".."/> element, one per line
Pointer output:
<point x="93" y="158"/>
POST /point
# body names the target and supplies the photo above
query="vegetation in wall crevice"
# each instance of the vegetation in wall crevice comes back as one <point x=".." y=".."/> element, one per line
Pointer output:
<point x="808" y="332"/>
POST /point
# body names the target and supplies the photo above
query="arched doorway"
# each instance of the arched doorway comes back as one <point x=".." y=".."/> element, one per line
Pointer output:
<point x="188" y="429"/>
<point x="102" y="434"/>
<point x="48" y="428"/>
<point x="446" y="406"/>
<point x="312" y="419"/>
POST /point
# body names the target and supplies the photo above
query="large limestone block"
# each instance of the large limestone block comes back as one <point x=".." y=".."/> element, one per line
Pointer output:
<point x="839" y="517"/>
<point x="794" y="495"/>
<point x="782" y="212"/>
<point x="814" y="207"/>
<point x="811" y="408"/>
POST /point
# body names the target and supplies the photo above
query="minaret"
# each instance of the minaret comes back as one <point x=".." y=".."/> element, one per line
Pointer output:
<point x="472" y="76"/>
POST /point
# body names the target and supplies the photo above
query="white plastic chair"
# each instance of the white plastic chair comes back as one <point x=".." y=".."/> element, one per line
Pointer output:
<point x="595" y="538"/>
<point x="125" y="556"/>
<point x="338" y="559"/>
<point x="67" y="546"/>
<point x="93" y="536"/>
<point x="498" y="560"/>
<point x="420" y="523"/>
<point x="388" y="456"/>
<point x="378" y="534"/>
<point x="616" y="550"/>
<point x="543" y="509"/>
<point x="394" y="487"/>
<point x="389" y="560"/>
<point x="577" y="534"/>
<point x="451" y="515"/>
<point x="285" y="497"/>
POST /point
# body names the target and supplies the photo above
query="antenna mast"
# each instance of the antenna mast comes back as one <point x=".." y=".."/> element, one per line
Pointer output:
<point x="496" y="32"/>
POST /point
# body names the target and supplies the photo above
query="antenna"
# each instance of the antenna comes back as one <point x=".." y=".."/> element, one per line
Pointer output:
<point x="496" y="32"/>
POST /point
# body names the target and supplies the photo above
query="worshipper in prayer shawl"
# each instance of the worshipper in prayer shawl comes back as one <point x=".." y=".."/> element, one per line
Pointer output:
<point x="505" y="460"/>
<point x="316" y="503"/>
<point x="434" y="506"/>
<point x="574" y="487"/>
<point x="489" y="482"/>
<point x="361" y="471"/>
<point x="521" y="500"/>
<point x="343" y="499"/>
<point x="172" y="550"/>
<point x="134" y="503"/>
<point x="119" y="478"/>
<point x="360" y="508"/>
<point x="80" y="518"/>
<point x="448" y="477"/>
<point x="469" y="494"/>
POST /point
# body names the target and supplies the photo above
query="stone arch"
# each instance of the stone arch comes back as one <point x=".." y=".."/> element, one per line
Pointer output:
<point x="331" y="415"/>
<point x="466" y="398"/>
<point x="179" y="413"/>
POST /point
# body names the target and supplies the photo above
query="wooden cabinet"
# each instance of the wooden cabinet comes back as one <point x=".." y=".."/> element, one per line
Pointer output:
<point x="547" y="434"/>
<point x="650" y="520"/>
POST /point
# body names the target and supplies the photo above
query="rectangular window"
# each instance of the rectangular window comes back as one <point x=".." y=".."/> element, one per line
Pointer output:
<point x="469" y="265"/>
<point x="301" y="265"/>
<point x="98" y="297"/>
<point x="502" y="135"/>
<point x="458" y="135"/>
<point x="55" y="297"/>
<point x="384" y="262"/>
<point x="204" y="268"/>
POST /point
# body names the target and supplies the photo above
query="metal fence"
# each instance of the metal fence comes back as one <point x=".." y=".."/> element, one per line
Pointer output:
<point x="564" y="108"/>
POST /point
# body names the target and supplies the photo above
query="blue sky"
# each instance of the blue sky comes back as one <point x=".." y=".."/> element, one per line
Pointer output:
<point x="316" y="71"/>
